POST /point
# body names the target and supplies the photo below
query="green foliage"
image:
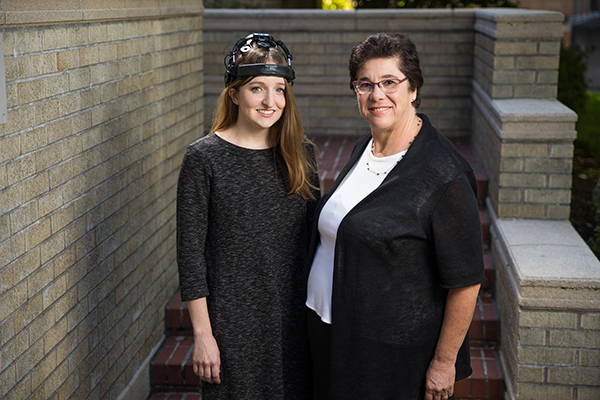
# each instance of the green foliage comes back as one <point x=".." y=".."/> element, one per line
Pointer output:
<point x="433" y="3"/>
<point x="594" y="241"/>
<point x="571" y="77"/>
<point x="588" y="125"/>
<point x="337" y="5"/>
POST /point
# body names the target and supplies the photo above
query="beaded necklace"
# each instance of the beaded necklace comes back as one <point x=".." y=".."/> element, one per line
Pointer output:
<point x="371" y="155"/>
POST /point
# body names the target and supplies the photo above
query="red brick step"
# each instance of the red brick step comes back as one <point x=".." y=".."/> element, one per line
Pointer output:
<point x="178" y="318"/>
<point x="172" y="367"/>
<point x="485" y="320"/>
<point x="485" y="383"/>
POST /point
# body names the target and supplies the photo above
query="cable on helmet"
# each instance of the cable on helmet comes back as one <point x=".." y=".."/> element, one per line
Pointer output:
<point x="244" y="45"/>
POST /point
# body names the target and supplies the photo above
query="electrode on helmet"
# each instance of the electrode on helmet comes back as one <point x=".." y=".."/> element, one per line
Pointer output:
<point x="244" y="45"/>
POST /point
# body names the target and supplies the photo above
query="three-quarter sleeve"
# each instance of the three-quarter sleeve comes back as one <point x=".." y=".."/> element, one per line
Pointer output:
<point x="193" y="193"/>
<point x="457" y="236"/>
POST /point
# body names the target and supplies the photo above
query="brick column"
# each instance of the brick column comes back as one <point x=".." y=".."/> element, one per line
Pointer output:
<point x="522" y="133"/>
<point x="547" y="279"/>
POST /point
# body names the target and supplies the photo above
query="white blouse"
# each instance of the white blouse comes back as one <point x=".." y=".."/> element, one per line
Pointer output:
<point x="357" y="185"/>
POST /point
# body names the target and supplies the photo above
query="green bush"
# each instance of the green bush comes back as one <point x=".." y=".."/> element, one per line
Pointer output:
<point x="433" y="3"/>
<point x="571" y="77"/>
<point x="594" y="242"/>
<point x="588" y="125"/>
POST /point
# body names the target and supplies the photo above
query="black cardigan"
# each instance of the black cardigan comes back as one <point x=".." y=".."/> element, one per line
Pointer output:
<point x="397" y="253"/>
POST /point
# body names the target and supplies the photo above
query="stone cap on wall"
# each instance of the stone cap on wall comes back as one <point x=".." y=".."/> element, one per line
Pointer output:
<point x="29" y="12"/>
<point x="500" y="23"/>
<point x="527" y="119"/>
<point x="302" y="20"/>
<point x="548" y="263"/>
<point x="516" y="23"/>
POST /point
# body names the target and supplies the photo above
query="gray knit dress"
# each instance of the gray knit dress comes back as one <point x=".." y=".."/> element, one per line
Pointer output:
<point x="242" y="244"/>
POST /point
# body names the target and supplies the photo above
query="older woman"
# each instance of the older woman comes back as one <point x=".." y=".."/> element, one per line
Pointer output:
<point x="397" y="252"/>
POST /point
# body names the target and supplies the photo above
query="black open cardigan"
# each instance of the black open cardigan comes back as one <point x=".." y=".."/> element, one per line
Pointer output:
<point x="397" y="253"/>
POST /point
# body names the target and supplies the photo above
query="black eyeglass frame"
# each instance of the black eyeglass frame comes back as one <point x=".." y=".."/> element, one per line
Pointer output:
<point x="358" y="82"/>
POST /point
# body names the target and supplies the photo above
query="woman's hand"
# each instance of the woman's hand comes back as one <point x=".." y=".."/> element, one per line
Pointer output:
<point x="439" y="380"/>
<point x="206" y="359"/>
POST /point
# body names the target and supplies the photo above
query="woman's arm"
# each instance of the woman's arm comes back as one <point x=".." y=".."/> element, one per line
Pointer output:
<point x="440" y="376"/>
<point x="206" y="358"/>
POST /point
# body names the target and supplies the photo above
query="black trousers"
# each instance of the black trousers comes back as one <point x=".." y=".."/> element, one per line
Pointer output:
<point x="319" y="340"/>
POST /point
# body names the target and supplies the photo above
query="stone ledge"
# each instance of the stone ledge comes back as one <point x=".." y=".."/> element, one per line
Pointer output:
<point x="526" y="119"/>
<point x="517" y="24"/>
<point x="547" y="264"/>
<point x="518" y="15"/>
<point x="50" y="12"/>
<point x="274" y="20"/>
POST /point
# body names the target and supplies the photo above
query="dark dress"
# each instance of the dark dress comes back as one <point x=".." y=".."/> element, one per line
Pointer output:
<point x="242" y="243"/>
<point x="396" y="255"/>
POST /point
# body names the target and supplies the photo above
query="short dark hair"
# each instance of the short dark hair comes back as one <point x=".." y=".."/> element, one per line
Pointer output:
<point x="386" y="45"/>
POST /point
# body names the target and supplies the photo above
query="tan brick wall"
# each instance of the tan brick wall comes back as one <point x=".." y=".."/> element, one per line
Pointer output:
<point x="321" y="43"/>
<point x="526" y="179"/>
<point x="517" y="68"/>
<point x="522" y="134"/>
<point x="548" y="353"/>
<point x="99" y="114"/>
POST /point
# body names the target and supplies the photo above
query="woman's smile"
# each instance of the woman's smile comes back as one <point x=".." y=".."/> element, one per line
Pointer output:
<point x="266" y="113"/>
<point x="379" y="109"/>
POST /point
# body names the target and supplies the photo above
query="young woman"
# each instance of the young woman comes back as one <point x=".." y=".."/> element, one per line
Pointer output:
<point x="245" y="195"/>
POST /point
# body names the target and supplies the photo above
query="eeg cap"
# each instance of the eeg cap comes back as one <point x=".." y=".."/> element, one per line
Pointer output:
<point x="244" y="45"/>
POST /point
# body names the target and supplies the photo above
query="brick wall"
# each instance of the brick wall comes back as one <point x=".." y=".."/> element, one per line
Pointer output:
<point x="523" y="135"/>
<point x="547" y="290"/>
<point x="321" y="42"/>
<point x="99" y="113"/>
<point x="547" y="279"/>
<point x="551" y="354"/>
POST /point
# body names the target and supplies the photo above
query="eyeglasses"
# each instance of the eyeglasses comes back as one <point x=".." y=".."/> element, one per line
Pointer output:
<point x="389" y="85"/>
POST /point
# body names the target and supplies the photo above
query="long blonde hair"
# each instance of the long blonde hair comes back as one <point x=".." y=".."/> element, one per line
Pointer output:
<point x="286" y="135"/>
